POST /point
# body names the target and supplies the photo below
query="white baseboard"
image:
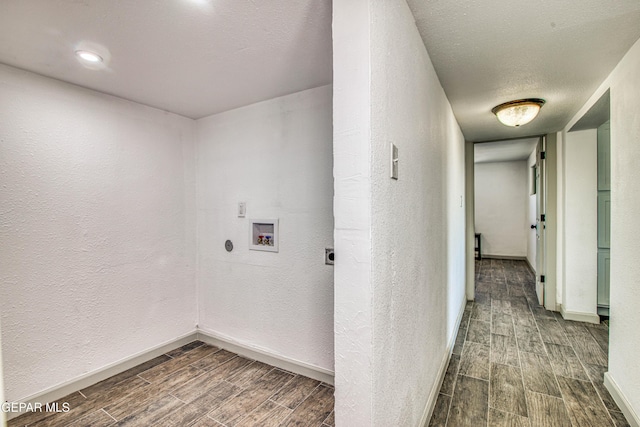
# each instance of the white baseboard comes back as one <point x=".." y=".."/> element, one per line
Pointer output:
<point x="444" y="364"/>
<point x="579" y="316"/>
<point x="265" y="356"/>
<point x="621" y="400"/>
<point x="61" y="390"/>
<point x="511" y="257"/>
<point x="533" y="270"/>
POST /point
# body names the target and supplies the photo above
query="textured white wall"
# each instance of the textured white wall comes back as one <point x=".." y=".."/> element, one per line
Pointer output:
<point x="276" y="156"/>
<point x="97" y="230"/>
<point x="501" y="203"/>
<point x="625" y="229"/>
<point x="418" y="221"/>
<point x="400" y="284"/>
<point x="580" y="219"/>
<point x="531" y="212"/>
<point x="352" y="211"/>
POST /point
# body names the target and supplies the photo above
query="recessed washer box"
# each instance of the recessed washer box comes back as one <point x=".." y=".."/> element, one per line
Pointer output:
<point x="263" y="235"/>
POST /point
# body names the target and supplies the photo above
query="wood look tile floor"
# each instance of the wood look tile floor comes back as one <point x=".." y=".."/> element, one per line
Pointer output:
<point x="516" y="364"/>
<point x="197" y="385"/>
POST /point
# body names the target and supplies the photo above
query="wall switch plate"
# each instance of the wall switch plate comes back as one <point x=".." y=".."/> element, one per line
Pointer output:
<point x="394" y="161"/>
<point x="242" y="209"/>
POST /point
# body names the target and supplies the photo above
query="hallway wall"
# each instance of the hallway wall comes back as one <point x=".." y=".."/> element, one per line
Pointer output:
<point x="277" y="157"/>
<point x="624" y="371"/>
<point x="501" y="203"/>
<point x="581" y="223"/>
<point x="352" y="211"/>
<point x="418" y="224"/>
<point x="400" y="282"/>
<point x="97" y="228"/>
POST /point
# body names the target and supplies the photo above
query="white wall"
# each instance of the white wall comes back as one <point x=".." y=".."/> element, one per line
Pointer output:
<point x="625" y="230"/>
<point x="353" y="322"/>
<point x="501" y="204"/>
<point x="580" y="219"/>
<point x="531" y="212"/>
<point x="97" y="228"/>
<point x="624" y="340"/>
<point x="401" y="280"/>
<point x="418" y="227"/>
<point x="276" y="156"/>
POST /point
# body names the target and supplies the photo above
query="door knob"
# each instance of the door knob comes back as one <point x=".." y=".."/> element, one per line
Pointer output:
<point x="534" y="227"/>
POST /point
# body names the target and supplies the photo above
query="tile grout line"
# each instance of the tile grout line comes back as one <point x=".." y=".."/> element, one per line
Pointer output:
<point x="102" y="409"/>
<point x="174" y="396"/>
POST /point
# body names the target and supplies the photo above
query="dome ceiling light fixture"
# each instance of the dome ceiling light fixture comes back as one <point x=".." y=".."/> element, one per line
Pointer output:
<point x="519" y="112"/>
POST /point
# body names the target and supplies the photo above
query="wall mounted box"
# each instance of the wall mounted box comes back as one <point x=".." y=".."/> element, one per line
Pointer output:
<point x="263" y="235"/>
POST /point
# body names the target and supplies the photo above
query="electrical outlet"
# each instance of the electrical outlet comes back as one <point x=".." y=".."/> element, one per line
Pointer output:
<point x="329" y="256"/>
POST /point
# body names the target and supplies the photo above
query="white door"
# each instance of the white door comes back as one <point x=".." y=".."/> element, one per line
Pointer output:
<point x="540" y="219"/>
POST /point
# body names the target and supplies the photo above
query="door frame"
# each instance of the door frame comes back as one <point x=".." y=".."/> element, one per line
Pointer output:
<point x="541" y="223"/>
<point x="551" y="221"/>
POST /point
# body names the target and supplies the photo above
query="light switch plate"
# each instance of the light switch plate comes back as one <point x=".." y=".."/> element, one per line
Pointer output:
<point x="394" y="161"/>
<point x="242" y="209"/>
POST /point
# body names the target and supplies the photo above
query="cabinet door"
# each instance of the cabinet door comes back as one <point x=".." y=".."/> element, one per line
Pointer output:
<point x="604" y="219"/>
<point x="604" y="157"/>
<point x="603" y="277"/>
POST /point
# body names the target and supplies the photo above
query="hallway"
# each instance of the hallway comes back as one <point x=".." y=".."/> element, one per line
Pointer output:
<point x="516" y="364"/>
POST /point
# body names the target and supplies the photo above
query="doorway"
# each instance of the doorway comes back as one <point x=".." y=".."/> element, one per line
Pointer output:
<point x="515" y="207"/>
<point x="587" y="170"/>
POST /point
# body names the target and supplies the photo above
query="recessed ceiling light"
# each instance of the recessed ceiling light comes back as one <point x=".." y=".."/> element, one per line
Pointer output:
<point x="519" y="112"/>
<point x="88" y="56"/>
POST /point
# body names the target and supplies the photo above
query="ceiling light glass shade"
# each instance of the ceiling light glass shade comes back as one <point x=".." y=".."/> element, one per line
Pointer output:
<point x="519" y="112"/>
<point x="85" y="55"/>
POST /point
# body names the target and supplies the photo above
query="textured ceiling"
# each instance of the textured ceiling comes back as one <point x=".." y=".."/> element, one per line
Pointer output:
<point x="487" y="52"/>
<point x="191" y="57"/>
<point x="199" y="57"/>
